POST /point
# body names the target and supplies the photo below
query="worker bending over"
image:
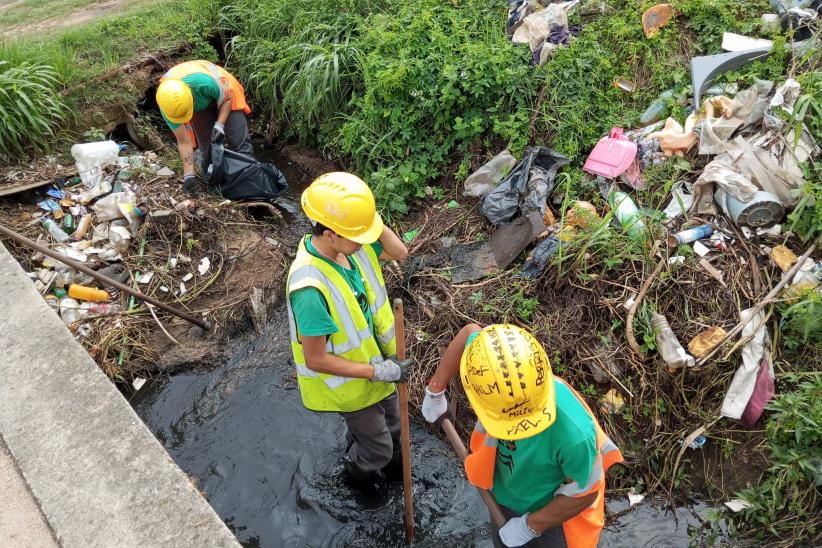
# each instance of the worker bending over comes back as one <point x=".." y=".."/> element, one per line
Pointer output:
<point x="536" y="444"/>
<point x="342" y="325"/>
<point x="201" y="103"/>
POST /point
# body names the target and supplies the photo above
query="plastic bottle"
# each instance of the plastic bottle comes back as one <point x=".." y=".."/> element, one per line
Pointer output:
<point x="90" y="157"/>
<point x="669" y="347"/>
<point x="654" y="111"/>
<point x="95" y="192"/>
<point x="85" y="293"/>
<point x="628" y="215"/>
<point x="805" y="280"/>
<point x="69" y="310"/>
<point x="82" y="228"/>
<point x="99" y="308"/>
<point x="54" y="229"/>
<point x="68" y="223"/>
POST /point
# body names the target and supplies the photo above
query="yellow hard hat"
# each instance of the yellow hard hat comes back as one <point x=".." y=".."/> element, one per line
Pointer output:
<point x="507" y="377"/>
<point x="345" y="204"/>
<point x="175" y="100"/>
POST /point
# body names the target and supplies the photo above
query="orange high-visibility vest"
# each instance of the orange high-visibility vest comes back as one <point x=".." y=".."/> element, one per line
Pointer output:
<point x="229" y="86"/>
<point x="581" y="531"/>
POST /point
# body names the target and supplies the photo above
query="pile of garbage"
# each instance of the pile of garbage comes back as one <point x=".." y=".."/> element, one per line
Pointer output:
<point x="540" y="24"/>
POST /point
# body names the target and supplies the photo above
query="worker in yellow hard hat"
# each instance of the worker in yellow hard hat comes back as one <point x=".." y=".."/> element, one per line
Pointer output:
<point x="342" y="324"/>
<point x="201" y="103"/>
<point x="536" y="444"/>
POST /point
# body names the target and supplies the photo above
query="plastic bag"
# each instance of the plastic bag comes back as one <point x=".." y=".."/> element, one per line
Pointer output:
<point x="515" y="196"/>
<point x="242" y="177"/>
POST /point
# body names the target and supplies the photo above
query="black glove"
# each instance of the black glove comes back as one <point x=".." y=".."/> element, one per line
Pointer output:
<point x="218" y="133"/>
<point x="189" y="180"/>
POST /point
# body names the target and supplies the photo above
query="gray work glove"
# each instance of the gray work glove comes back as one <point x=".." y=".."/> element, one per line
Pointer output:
<point x="218" y="133"/>
<point x="189" y="180"/>
<point x="391" y="370"/>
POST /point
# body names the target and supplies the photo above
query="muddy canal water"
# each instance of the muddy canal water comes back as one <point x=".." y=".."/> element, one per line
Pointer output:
<point x="272" y="469"/>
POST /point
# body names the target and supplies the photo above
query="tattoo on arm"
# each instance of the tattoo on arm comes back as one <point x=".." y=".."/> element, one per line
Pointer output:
<point x="188" y="158"/>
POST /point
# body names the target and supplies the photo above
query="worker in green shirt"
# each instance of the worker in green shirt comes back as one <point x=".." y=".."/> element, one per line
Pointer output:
<point x="536" y="444"/>
<point x="202" y="102"/>
<point x="342" y="326"/>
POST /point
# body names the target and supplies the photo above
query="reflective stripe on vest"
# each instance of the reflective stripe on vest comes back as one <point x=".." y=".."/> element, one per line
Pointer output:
<point x="581" y="531"/>
<point x="354" y="339"/>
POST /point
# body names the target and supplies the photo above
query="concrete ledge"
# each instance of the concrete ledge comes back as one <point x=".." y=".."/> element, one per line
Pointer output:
<point x="98" y="474"/>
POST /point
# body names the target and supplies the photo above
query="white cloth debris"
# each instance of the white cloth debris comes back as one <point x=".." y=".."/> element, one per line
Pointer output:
<point x="634" y="498"/>
<point x="681" y="200"/>
<point x="138" y="383"/>
<point x="536" y="27"/>
<point x="737" y="505"/>
<point x="204" y="265"/>
<point x="786" y="95"/>
<point x="744" y="381"/>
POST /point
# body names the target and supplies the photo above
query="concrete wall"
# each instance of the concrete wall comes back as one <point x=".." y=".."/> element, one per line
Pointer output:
<point x="99" y="475"/>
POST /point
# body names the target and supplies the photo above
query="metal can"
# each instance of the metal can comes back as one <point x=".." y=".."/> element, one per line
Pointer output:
<point x="690" y="235"/>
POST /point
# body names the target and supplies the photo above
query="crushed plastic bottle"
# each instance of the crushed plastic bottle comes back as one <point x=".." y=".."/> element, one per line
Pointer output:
<point x="69" y="310"/>
<point x="669" y="346"/>
<point x="628" y="215"/>
<point x="54" y="229"/>
<point x="805" y="280"/>
<point x="99" y="308"/>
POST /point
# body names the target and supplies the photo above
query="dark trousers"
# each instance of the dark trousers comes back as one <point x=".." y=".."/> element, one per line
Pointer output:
<point x="237" y="137"/>
<point x="373" y="433"/>
<point x="552" y="538"/>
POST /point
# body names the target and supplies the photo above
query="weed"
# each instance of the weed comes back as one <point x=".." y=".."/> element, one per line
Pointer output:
<point x="30" y="107"/>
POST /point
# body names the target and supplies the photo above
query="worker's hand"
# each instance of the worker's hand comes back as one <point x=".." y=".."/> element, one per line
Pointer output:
<point x="434" y="405"/>
<point x="516" y="532"/>
<point x="391" y="370"/>
<point x="218" y="133"/>
<point x="189" y="180"/>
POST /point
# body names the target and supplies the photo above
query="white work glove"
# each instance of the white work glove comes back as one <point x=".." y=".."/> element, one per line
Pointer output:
<point x="391" y="370"/>
<point x="434" y="405"/>
<point x="218" y="133"/>
<point x="516" y="532"/>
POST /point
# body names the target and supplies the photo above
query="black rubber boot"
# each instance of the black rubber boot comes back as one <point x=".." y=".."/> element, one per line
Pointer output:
<point x="361" y="480"/>
<point x="393" y="470"/>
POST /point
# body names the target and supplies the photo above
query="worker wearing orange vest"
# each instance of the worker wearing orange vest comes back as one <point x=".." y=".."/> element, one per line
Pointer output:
<point x="536" y="445"/>
<point x="201" y="103"/>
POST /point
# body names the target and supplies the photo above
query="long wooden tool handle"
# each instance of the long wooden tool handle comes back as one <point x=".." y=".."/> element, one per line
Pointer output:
<point x="405" y="426"/>
<point x="462" y="452"/>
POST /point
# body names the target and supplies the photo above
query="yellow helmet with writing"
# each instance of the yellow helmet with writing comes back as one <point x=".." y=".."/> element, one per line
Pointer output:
<point x="507" y="377"/>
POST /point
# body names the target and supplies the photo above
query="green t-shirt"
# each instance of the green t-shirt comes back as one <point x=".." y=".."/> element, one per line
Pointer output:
<point x="529" y="471"/>
<point x="309" y="306"/>
<point x="205" y="91"/>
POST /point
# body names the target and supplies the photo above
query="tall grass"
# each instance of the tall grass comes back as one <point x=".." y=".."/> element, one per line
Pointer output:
<point x="30" y="107"/>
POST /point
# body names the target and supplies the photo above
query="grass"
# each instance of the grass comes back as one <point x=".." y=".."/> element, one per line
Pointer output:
<point x="78" y="55"/>
<point x="25" y="15"/>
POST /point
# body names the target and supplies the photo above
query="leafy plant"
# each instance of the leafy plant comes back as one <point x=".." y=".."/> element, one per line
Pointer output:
<point x="30" y="106"/>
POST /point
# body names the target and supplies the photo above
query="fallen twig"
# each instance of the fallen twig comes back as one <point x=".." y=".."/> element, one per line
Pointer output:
<point x="629" y="323"/>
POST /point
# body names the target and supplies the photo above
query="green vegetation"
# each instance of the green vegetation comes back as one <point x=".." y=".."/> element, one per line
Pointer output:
<point x="784" y="502"/>
<point x="76" y="56"/>
<point x="23" y="13"/>
<point x="30" y="107"/>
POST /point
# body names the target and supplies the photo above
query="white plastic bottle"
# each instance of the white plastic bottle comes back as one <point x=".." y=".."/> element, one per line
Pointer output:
<point x="90" y="157"/>
<point x="668" y="345"/>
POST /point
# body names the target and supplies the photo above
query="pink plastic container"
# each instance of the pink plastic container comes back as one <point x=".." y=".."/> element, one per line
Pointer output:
<point x="611" y="156"/>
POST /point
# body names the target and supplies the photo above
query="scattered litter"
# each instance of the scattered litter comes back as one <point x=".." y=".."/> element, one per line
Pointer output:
<point x="183" y="290"/>
<point x="138" y="383"/>
<point x="706" y="341"/>
<point x="486" y="178"/>
<point x="205" y="264"/>
<point x="690" y="235"/>
<point x="676" y="260"/>
<point x="628" y="215"/>
<point x="634" y="498"/>
<point x="669" y="347"/>
<point x="164" y="172"/>
<point x="164" y="289"/>
<point x="783" y="257"/>
<point x="612" y="155"/>
<point x="701" y="249"/>
<point x="612" y="402"/>
<point x="775" y="231"/>
<point x="681" y="200"/>
<point x="738" y="42"/>
<point x="737" y="505"/>
<point x="629" y="302"/>
<point x="581" y="214"/>
<point x="510" y="239"/>
<point x="622" y="83"/>
<point x="656" y="17"/>
<point x="698" y="442"/>
<point x="146" y="278"/>
<point x="538" y="258"/>
<point x="713" y="271"/>
<point x="188" y="276"/>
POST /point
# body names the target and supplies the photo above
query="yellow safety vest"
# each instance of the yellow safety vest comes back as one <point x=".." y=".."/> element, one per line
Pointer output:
<point x="354" y="339"/>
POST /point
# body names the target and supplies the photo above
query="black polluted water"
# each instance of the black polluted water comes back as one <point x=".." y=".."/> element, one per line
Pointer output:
<point x="272" y="470"/>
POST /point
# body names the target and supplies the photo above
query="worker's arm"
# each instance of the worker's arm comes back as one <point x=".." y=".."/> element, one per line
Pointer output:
<point x="392" y="247"/>
<point x="560" y="509"/>
<point x="317" y="359"/>
<point x="186" y="149"/>
<point x="450" y="360"/>
<point x="225" y="109"/>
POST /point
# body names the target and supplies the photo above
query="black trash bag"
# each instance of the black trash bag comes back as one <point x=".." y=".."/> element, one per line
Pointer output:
<point x="241" y="177"/>
<point x="526" y="188"/>
<point x="539" y="258"/>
